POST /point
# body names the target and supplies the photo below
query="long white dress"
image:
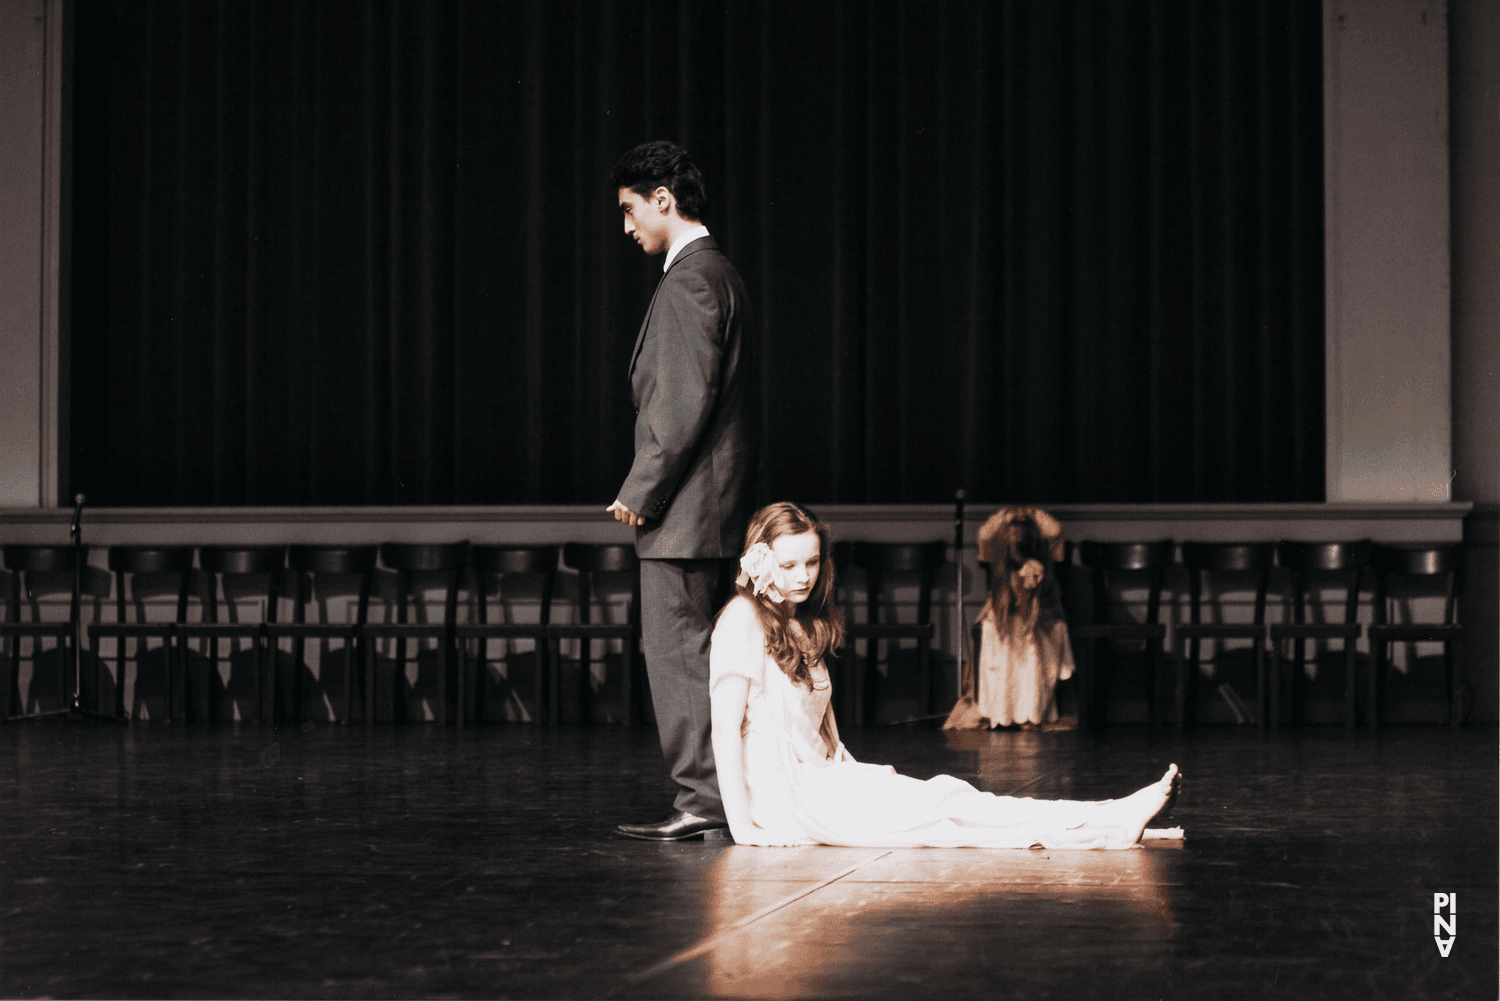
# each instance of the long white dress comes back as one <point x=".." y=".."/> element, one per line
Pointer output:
<point x="804" y="793"/>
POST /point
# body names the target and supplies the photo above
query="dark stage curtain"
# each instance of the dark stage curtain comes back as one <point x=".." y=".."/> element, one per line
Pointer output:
<point x="367" y="253"/>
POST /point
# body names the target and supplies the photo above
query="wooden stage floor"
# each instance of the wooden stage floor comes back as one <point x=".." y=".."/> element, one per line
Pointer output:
<point x="323" y="862"/>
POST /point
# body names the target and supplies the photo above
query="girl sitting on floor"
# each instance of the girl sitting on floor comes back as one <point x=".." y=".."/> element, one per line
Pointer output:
<point x="786" y="778"/>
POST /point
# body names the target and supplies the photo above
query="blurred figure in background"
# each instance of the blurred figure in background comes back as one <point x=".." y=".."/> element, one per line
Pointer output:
<point x="1023" y="650"/>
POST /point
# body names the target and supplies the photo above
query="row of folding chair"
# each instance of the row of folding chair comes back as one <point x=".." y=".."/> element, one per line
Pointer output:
<point x="1352" y="567"/>
<point x="1106" y="562"/>
<point x="141" y="573"/>
<point x="460" y="565"/>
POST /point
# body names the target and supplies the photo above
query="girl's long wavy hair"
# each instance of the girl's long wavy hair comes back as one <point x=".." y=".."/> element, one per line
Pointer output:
<point x="822" y="623"/>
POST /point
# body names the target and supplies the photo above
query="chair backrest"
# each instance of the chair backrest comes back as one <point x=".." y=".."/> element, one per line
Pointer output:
<point x="1106" y="558"/>
<point x="898" y="557"/>
<point x="881" y="558"/>
<point x="335" y="561"/>
<point x="139" y="561"/>
<point x="408" y="558"/>
<point x="490" y="559"/>
<point x="1227" y="557"/>
<point x="42" y="570"/>
<point x="1418" y="560"/>
<point x="332" y="559"/>
<point x="601" y="558"/>
<point x="1329" y="556"/>
<point x="539" y="561"/>
<point x="40" y="559"/>
<point x="1127" y="556"/>
<point x="219" y="561"/>
<point x="151" y="559"/>
<point x="241" y="559"/>
<point x="425" y="557"/>
<point x="1347" y="559"/>
<point x="589" y="560"/>
<point x="1207" y="558"/>
<point x="1422" y="559"/>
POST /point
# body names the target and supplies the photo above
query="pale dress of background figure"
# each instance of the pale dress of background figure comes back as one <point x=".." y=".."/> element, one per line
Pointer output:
<point x="1023" y="649"/>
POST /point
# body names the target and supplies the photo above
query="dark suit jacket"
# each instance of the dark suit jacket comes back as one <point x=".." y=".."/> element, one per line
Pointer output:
<point x="693" y="382"/>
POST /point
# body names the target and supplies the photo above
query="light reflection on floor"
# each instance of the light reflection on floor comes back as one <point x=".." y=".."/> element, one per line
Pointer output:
<point x="914" y="910"/>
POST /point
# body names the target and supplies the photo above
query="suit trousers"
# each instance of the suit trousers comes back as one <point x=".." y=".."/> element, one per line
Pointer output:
<point x="679" y="600"/>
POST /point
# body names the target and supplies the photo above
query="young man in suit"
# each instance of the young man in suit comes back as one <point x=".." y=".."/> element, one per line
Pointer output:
<point x="689" y="492"/>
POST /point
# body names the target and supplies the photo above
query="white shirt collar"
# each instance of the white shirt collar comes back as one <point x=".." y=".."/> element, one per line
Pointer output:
<point x="685" y="238"/>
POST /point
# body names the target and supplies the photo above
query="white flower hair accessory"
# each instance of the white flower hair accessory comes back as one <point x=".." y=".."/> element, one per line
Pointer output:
<point x="760" y="566"/>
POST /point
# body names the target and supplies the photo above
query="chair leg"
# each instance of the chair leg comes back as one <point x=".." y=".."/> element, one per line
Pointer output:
<point x="1187" y="677"/>
<point x="924" y="661"/>
<point x="99" y="674"/>
<point x="1276" y="666"/>
<point x="554" y="686"/>
<point x="477" y="686"/>
<point x="838" y="670"/>
<point x="272" y="652"/>
<point x="1296" y="683"/>
<point x="585" y="677"/>
<point x="1273" y="670"/>
<point x="12" y="676"/>
<point x="1350" y="693"/>
<point x="179" y="710"/>
<point x="857" y="666"/>
<point x="171" y="656"/>
<point x="10" y="679"/>
<point x="1101" y="669"/>
<point x="119" y="677"/>
<point x="1299" y="683"/>
<point x="1377" y="682"/>
<point x="1179" y="690"/>
<point x="351" y="664"/>
<point x="69" y="674"/>
<point x="926" y="670"/>
<point x="101" y="671"/>
<point x="175" y="652"/>
<point x="627" y="681"/>
<point x="857" y="683"/>
<point x="273" y="689"/>
<point x="398" y="687"/>
<point x="547" y="668"/>
<point x="445" y="664"/>
<point x="870" y="669"/>
<point x="370" y="699"/>
<point x="213" y="672"/>
<point x="1448" y="676"/>
<point x="1154" y="714"/>
<point x="1092" y="715"/>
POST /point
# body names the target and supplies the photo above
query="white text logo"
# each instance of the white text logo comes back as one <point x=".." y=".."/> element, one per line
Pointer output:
<point x="1444" y="925"/>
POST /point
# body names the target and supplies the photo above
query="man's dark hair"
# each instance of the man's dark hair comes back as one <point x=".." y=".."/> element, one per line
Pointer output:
<point x="663" y="164"/>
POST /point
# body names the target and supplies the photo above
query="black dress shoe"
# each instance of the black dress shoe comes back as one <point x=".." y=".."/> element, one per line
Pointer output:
<point x="679" y="826"/>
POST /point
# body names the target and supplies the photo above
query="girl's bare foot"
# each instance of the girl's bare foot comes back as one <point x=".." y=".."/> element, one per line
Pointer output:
<point x="1171" y="796"/>
<point x="1128" y="817"/>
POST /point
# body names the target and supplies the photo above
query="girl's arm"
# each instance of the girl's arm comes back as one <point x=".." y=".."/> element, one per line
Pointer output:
<point x="727" y="712"/>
